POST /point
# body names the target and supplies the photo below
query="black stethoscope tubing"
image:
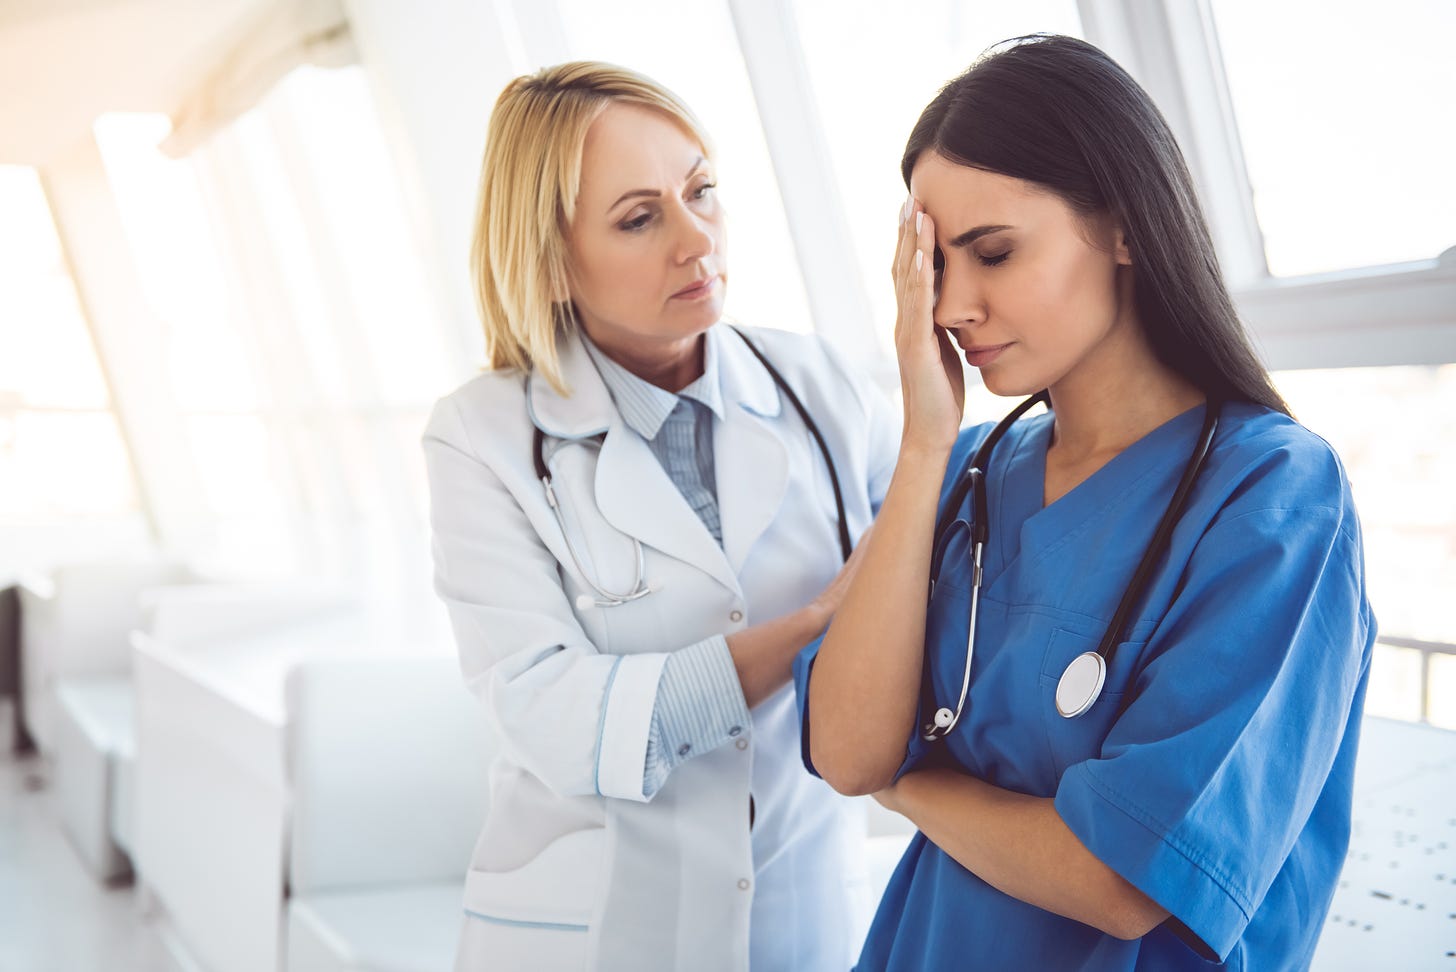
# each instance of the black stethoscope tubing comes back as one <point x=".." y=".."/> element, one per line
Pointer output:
<point x="608" y="599"/>
<point x="1081" y="682"/>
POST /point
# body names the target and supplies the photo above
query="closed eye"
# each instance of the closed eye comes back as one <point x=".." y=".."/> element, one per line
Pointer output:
<point x="993" y="260"/>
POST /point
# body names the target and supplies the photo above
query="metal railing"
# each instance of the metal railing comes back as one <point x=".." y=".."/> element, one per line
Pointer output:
<point x="1427" y="650"/>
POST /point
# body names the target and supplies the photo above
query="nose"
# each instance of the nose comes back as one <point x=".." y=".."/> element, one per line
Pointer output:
<point x="960" y="300"/>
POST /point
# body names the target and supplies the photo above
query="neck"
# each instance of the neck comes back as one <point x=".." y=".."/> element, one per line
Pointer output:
<point x="1115" y="397"/>
<point x="671" y="364"/>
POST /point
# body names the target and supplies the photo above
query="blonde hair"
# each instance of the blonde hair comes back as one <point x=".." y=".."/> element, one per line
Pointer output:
<point x="529" y="181"/>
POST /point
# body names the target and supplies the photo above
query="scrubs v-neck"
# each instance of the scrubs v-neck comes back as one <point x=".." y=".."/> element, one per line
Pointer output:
<point x="1214" y="772"/>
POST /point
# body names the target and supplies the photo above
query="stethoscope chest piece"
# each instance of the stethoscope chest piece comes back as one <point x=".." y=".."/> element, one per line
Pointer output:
<point x="1080" y="684"/>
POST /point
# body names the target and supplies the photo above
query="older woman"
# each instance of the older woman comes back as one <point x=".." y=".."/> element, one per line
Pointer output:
<point x="641" y="514"/>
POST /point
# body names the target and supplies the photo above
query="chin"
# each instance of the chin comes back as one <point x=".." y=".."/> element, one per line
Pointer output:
<point x="1008" y="386"/>
<point x="702" y="317"/>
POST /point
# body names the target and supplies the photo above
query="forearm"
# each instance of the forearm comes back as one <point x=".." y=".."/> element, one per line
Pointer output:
<point x="866" y="680"/>
<point x="1020" y="845"/>
<point x="764" y="653"/>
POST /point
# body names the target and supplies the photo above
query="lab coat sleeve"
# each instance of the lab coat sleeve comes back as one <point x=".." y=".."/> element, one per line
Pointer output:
<point x="1230" y="733"/>
<point x="575" y="717"/>
<point x="884" y="444"/>
<point x="882" y="425"/>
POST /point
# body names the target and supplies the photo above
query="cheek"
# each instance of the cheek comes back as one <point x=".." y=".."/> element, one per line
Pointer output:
<point x="1073" y="291"/>
<point x="613" y="272"/>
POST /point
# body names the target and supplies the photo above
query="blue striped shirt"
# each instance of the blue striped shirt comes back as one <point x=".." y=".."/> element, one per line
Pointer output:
<point x="699" y="704"/>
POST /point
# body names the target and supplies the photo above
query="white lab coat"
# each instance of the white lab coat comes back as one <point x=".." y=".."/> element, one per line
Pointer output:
<point x="574" y="867"/>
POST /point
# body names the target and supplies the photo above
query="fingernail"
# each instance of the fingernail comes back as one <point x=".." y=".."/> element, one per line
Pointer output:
<point x="918" y="217"/>
<point x="919" y="259"/>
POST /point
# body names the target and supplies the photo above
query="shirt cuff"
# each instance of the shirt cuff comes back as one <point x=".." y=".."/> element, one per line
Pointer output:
<point x="699" y="707"/>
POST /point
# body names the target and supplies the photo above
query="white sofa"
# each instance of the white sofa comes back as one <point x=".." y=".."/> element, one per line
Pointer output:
<point x="251" y="779"/>
<point x="75" y="622"/>
<point x="76" y="671"/>
<point x="388" y="768"/>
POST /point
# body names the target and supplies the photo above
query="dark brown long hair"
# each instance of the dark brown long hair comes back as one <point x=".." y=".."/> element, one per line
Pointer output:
<point x="1060" y="113"/>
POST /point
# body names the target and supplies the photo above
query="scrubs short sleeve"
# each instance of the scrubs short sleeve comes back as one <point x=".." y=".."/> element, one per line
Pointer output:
<point x="1230" y="732"/>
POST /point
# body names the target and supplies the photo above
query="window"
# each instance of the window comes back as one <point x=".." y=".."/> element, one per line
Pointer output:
<point x="62" y="455"/>
<point x="1342" y="110"/>
<point x="304" y="344"/>
<point x="1392" y="427"/>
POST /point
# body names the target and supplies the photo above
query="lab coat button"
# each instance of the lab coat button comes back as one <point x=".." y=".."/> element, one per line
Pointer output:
<point x="736" y="616"/>
<point x="743" y="884"/>
<point x="742" y="744"/>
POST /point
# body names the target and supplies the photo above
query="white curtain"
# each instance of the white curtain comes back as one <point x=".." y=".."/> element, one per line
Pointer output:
<point x="276" y="37"/>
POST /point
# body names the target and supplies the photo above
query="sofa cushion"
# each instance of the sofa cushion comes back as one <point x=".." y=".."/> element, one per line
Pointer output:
<point x="407" y="929"/>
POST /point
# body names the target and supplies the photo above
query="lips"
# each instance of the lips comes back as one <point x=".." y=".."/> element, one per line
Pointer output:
<point x="697" y="290"/>
<point x="978" y="356"/>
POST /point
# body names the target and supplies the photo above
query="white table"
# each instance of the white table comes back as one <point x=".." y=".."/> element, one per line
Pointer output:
<point x="1395" y="907"/>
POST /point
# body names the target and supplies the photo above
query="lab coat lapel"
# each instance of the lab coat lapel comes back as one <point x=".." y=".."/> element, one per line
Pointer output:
<point x="637" y="496"/>
<point x="750" y="455"/>
<point x="633" y="492"/>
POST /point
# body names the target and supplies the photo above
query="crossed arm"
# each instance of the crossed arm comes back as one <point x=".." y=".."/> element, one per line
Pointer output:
<point x="862" y="701"/>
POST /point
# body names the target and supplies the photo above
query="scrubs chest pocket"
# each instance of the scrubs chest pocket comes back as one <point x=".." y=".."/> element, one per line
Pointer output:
<point x="1073" y="740"/>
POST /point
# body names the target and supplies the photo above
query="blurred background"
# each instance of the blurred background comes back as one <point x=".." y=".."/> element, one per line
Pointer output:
<point x="233" y="280"/>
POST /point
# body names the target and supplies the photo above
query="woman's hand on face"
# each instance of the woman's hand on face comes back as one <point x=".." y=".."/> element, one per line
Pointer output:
<point x="931" y="381"/>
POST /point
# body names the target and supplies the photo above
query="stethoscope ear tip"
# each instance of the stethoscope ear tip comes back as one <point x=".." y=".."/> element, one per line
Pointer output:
<point x="585" y="602"/>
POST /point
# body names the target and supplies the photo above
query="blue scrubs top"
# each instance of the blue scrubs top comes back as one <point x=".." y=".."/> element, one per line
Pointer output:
<point x="1215" y="771"/>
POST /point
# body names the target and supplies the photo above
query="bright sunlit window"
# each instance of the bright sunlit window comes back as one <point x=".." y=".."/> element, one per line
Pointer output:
<point x="61" y="451"/>
<point x="1401" y="471"/>
<point x="303" y="343"/>
<point x="1344" y="110"/>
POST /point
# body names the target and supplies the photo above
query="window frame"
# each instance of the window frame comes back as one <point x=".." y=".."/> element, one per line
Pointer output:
<point x="1395" y="314"/>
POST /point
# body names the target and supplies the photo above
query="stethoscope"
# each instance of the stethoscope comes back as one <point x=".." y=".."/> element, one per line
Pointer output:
<point x="640" y="588"/>
<point x="1082" y="680"/>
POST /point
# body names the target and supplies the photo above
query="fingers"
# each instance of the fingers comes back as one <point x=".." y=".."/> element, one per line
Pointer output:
<point x="914" y="268"/>
<point x="902" y="243"/>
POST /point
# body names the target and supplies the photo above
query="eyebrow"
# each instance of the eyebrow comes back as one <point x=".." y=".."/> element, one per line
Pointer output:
<point x="652" y="193"/>
<point x="972" y="235"/>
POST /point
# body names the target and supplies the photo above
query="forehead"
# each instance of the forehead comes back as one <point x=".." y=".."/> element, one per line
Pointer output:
<point x="954" y="193"/>
<point x="631" y="147"/>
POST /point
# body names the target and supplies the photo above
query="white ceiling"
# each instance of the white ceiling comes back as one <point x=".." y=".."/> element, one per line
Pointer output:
<point x="64" y="62"/>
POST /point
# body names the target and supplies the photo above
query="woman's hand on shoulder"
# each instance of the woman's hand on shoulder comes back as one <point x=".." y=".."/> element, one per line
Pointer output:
<point x="931" y="381"/>
<point x="833" y="594"/>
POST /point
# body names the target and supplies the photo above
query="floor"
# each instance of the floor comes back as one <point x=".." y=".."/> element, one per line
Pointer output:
<point x="54" y="917"/>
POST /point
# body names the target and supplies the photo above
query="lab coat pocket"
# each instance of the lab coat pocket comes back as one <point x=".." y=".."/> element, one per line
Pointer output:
<point x="1080" y="738"/>
<point x="559" y="887"/>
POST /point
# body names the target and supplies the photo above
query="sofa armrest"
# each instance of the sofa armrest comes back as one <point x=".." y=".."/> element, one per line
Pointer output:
<point x="388" y="762"/>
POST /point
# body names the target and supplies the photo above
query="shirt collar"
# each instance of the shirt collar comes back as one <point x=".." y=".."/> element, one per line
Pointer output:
<point x="643" y="405"/>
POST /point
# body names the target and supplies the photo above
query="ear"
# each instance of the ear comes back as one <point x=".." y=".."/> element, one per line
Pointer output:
<point x="1120" y="251"/>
